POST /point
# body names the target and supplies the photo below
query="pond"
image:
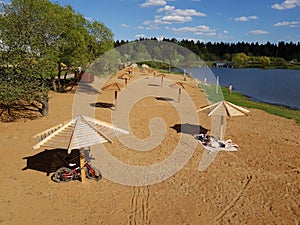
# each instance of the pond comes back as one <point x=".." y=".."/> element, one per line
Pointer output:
<point x="274" y="86"/>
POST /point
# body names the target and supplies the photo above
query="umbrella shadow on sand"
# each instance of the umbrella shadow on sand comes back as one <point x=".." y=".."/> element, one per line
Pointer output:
<point x="191" y="129"/>
<point x="105" y="105"/>
<point x="49" y="161"/>
<point x="166" y="99"/>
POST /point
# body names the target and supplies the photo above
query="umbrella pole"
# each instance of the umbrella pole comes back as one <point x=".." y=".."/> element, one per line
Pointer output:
<point x="116" y="99"/>
<point x="82" y="163"/>
<point x="222" y="127"/>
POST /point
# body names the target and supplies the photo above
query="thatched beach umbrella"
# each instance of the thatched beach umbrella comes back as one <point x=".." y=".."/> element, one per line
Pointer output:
<point x="114" y="87"/>
<point x="78" y="133"/>
<point x="221" y="110"/>
<point x="180" y="85"/>
<point x="125" y="76"/>
<point x="145" y="66"/>
<point x="162" y="75"/>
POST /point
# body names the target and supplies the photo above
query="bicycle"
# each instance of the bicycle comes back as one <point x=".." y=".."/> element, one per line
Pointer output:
<point x="65" y="174"/>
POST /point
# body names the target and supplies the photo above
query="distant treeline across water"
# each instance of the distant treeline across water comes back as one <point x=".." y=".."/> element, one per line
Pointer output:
<point x="224" y="51"/>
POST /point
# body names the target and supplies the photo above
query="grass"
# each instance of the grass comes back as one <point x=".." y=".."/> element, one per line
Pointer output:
<point x="241" y="100"/>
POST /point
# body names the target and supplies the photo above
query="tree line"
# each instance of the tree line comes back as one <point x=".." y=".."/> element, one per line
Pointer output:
<point x="279" y="54"/>
<point x="41" y="41"/>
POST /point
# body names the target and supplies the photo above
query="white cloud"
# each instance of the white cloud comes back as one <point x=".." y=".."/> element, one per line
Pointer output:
<point x="152" y="27"/>
<point x="169" y="19"/>
<point x="140" y="35"/>
<point x="170" y="10"/>
<point x="198" y="30"/>
<point x="172" y="15"/>
<point x="176" y="19"/>
<point x="245" y="18"/>
<point x="287" y="23"/>
<point x="125" y="25"/>
<point x="166" y="8"/>
<point x="253" y="17"/>
<point x="257" y="32"/>
<point x="287" y="4"/>
<point x="150" y="3"/>
<point x="147" y="22"/>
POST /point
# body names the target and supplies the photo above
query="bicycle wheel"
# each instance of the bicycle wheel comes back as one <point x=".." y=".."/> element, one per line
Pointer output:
<point x="63" y="174"/>
<point x="93" y="173"/>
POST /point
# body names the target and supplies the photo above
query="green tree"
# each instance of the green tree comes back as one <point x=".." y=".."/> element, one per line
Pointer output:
<point x="23" y="47"/>
<point x="265" y="61"/>
<point x="240" y="60"/>
<point x="40" y="40"/>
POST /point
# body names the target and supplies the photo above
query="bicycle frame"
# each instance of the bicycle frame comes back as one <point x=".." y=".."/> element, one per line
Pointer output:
<point x="75" y="174"/>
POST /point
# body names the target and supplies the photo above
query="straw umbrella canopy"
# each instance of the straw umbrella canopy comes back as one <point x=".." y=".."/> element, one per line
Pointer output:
<point x="230" y="108"/>
<point x="145" y="67"/>
<point x="129" y="70"/>
<point x="125" y="76"/>
<point x="162" y="75"/>
<point x="114" y="87"/>
<point x="180" y="85"/>
<point x="221" y="110"/>
<point x="78" y="133"/>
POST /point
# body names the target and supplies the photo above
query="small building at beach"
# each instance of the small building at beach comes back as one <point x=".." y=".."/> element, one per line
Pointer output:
<point x="223" y="65"/>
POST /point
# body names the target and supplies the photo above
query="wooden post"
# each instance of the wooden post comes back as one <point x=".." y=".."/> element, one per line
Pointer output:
<point x="222" y="125"/>
<point x="162" y="80"/>
<point x="116" y="99"/>
<point x="82" y="171"/>
<point x="125" y="81"/>
<point x="217" y="86"/>
<point x="179" y="93"/>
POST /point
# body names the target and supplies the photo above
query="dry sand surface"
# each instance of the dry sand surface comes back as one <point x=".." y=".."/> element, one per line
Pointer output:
<point x="259" y="184"/>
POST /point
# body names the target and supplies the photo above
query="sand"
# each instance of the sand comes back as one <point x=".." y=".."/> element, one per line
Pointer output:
<point x="259" y="184"/>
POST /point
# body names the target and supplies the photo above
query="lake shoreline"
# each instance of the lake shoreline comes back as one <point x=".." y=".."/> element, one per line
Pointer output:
<point x="274" y="109"/>
<point x="269" y="103"/>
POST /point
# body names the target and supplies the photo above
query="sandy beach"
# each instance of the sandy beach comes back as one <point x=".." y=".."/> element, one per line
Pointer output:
<point x="258" y="184"/>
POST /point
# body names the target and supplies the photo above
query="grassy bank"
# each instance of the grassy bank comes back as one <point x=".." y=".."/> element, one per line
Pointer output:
<point x="241" y="100"/>
<point x="244" y="101"/>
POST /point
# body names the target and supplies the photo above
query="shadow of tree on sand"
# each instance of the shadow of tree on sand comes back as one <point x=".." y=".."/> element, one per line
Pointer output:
<point x="87" y="88"/>
<point x="191" y="129"/>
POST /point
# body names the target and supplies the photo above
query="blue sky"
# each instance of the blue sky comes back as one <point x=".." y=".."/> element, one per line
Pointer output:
<point x="204" y="20"/>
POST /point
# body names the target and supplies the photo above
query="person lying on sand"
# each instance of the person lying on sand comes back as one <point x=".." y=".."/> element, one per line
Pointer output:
<point x="214" y="142"/>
